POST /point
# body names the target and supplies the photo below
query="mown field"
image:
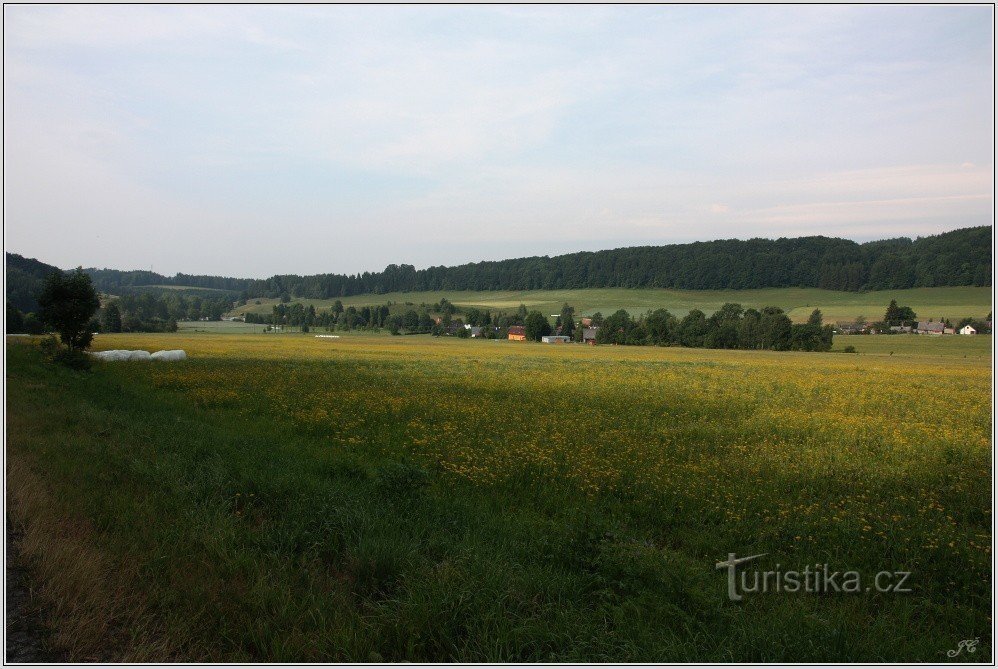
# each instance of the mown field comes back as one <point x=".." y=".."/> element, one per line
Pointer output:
<point x="936" y="303"/>
<point x="369" y="498"/>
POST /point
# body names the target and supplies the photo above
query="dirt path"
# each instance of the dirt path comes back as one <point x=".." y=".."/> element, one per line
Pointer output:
<point x="27" y="637"/>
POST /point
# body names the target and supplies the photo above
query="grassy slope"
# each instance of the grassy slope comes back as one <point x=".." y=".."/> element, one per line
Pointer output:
<point x="234" y="521"/>
<point x="953" y="303"/>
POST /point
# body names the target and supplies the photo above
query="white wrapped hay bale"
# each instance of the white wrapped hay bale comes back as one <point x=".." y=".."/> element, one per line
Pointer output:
<point x="120" y="355"/>
<point x="169" y="355"/>
<point x="117" y="355"/>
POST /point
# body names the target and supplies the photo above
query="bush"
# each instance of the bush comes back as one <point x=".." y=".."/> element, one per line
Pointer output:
<point x="73" y="358"/>
<point x="68" y="357"/>
<point x="849" y="349"/>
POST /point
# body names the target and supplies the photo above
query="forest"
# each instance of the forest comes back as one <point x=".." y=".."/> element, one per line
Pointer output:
<point x="957" y="258"/>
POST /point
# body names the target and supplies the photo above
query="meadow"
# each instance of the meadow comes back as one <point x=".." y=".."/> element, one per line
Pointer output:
<point x="936" y="303"/>
<point x="377" y="498"/>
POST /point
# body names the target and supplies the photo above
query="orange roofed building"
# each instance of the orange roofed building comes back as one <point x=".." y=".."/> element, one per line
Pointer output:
<point x="517" y="333"/>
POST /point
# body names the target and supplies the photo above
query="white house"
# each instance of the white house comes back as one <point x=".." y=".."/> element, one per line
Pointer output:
<point x="967" y="330"/>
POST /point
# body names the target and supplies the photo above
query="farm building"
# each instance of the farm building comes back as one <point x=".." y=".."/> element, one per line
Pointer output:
<point x="517" y="333"/>
<point x="589" y="336"/>
<point x="968" y="330"/>
<point x="476" y="331"/>
<point x="933" y="328"/>
<point x="852" y="327"/>
<point x="556" y="339"/>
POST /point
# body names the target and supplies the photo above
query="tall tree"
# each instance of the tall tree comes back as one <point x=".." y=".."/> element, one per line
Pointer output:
<point x="567" y="320"/>
<point x="66" y="303"/>
<point x="111" y="319"/>
<point x="536" y="326"/>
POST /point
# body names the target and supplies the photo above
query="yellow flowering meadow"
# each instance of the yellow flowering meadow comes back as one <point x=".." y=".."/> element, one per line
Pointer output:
<point x="758" y="442"/>
<point x="286" y="497"/>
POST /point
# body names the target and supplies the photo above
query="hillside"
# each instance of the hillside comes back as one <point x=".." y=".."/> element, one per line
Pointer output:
<point x="951" y="302"/>
<point x="24" y="281"/>
<point x="957" y="258"/>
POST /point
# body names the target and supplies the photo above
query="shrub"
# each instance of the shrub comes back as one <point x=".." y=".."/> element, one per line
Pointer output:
<point x="849" y="349"/>
<point x="73" y="358"/>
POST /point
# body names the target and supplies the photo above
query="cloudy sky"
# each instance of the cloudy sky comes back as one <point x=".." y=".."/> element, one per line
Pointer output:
<point x="250" y="141"/>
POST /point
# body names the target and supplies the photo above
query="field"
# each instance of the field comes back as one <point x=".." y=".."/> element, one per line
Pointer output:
<point x="377" y="498"/>
<point x="936" y="303"/>
<point x="219" y="327"/>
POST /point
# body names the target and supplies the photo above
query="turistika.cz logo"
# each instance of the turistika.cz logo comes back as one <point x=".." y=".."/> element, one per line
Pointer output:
<point x="816" y="579"/>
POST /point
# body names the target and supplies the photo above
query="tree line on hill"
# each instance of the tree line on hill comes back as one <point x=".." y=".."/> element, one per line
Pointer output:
<point x="957" y="258"/>
<point x="730" y="327"/>
<point x="150" y="312"/>
<point x="437" y="319"/>
<point x="141" y="312"/>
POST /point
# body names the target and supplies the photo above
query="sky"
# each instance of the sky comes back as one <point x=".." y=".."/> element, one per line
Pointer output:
<point x="256" y="140"/>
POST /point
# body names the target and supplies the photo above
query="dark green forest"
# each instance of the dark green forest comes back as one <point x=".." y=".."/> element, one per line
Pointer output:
<point x="958" y="258"/>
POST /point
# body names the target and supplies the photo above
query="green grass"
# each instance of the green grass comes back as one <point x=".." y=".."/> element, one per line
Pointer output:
<point x="219" y="327"/>
<point x="946" y="349"/>
<point x="952" y="302"/>
<point x="285" y="498"/>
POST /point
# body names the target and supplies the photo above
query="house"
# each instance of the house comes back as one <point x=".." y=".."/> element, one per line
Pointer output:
<point x="928" y="327"/>
<point x="900" y="328"/>
<point x="587" y="322"/>
<point x="517" y="333"/>
<point x="851" y="328"/>
<point x="476" y="331"/>
<point x="556" y="339"/>
<point x="967" y="330"/>
<point x="589" y="336"/>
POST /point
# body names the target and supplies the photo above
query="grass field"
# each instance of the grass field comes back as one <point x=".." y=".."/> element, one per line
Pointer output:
<point x="953" y="303"/>
<point x="377" y="498"/>
<point x="219" y="327"/>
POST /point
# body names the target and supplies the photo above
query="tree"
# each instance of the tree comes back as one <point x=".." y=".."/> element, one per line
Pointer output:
<point x="815" y="317"/>
<point x="692" y="329"/>
<point x="616" y="328"/>
<point x="567" y="320"/>
<point x="32" y="325"/>
<point x="15" y="319"/>
<point x="896" y="315"/>
<point x="66" y="303"/>
<point x="446" y="308"/>
<point x="537" y="326"/>
<point x="661" y="326"/>
<point x="892" y="315"/>
<point x="111" y="319"/>
<point x="749" y="329"/>
<point x="774" y="329"/>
